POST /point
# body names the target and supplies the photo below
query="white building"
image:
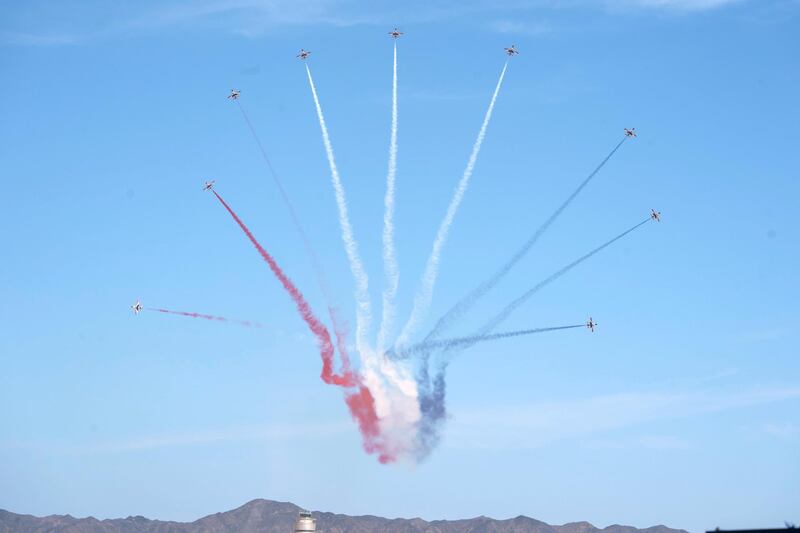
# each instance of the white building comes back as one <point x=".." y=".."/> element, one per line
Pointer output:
<point x="305" y="523"/>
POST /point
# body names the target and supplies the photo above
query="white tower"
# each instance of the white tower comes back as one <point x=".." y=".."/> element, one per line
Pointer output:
<point x="305" y="523"/>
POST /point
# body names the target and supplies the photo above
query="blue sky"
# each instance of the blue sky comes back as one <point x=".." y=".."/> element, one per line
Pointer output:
<point x="682" y="409"/>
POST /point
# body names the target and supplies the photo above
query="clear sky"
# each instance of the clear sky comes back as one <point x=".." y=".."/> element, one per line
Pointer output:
<point x="682" y="409"/>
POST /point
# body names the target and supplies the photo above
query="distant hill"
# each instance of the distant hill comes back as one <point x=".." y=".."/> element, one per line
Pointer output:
<point x="265" y="516"/>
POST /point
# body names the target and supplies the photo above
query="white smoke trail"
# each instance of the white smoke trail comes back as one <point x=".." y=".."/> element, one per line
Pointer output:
<point x="393" y="387"/>
<point x="391" y="271"/>
<point x="422" y="299"/>
<point x="363" y="310"/>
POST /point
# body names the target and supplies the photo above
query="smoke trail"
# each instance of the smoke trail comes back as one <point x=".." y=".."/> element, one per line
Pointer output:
<point x="465" y="304"/>
<point x="392" y="393"/>
<point x="364" y="313"/>
<point x="433" y="411"/>
<point x="360" y="403"/>
<point x="362" y="407"/>
<point x="247" y="323"/>
<point x="396" y="395"/>
<point x="424" y="294"/>
<point x="511" y="307"/>
<point x="317" y="328"/>
<point x="391" y="271"/>
<point x="319" y="271"/>
<point x="457" y="342"/>
<point x="432" y="401"/>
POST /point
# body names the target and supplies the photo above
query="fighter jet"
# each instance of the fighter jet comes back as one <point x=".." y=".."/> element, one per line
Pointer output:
<point x="512" y="51"/>
<point x="303" y="54"/>
<point x="591" y="324"/>
<point x="395" y="33"/>
<point x="630" y="132"/>
<point x="207" y="186"/>
<point x="137" y="307"/>
<point x="655" y="215"/>
<point x="234" y="94"/>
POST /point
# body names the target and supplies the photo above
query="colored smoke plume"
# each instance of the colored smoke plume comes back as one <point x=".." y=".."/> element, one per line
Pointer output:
<point x="360" y="403"/>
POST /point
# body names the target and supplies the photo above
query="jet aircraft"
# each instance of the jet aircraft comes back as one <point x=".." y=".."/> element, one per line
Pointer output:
<point x="630" y="132"/>
<point x="655" y="215"/>
<point x="207" y="186"/>
<point x="303" y="54"/>
<point x="591" y="324"/>
<point x="234" y="94"/>
<point x="512" y="50"/>
<point x="137" y="307"/>
<point x="395" y="33"/>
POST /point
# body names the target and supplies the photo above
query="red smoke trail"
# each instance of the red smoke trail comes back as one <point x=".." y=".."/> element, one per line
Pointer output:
<point x="247" y="323"/>
<point x="317" y="328"/>
<point x="312" y="255"/>
<point x="362" y="407"/>
<point x="360" y="403"/>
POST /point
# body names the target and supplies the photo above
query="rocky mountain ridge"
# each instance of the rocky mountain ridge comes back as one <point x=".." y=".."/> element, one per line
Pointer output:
<point x="265" y="516"/>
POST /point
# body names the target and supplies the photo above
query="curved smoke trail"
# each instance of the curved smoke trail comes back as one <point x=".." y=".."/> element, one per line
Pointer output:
<point x="319" y="271"/>
<point x="391" y="271"/>
<point x="448" y="344"/>
<point x="317" y="328"/>
<point x="432" y="395"/>
<point x="467" y="302"/>
<point x="247" y="323"/>
<point x="422" y="299"/>
<point x="360" y="401"/>
<point x="363" y="311"/>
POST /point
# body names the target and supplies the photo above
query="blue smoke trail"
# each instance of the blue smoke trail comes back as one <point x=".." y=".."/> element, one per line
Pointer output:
<point x="449" y="344"/>
<point x="511" y="307"/>
<point x="432" y="401"/>
<point x="433" y="411"/>
<point x="431" y="396"/>
<point x="466" y="303"/>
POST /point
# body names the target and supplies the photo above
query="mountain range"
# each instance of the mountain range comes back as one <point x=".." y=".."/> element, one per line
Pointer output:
<point x="265" y="516"/>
